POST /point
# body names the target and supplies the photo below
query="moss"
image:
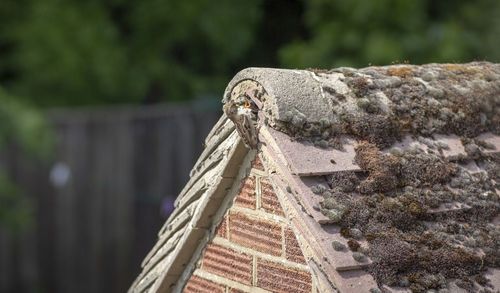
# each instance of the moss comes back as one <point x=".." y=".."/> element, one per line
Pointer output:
<point x="334" y="215"/>
<point x="400" y="71"/>
<point x="353" y="245"/>
<point x="331" y="203"/>
<point x="382" y="169"/>
<point x="318" y="189"/>
<point x="322" y="143"/>
<point x="404" y="185"/>
<point x="359" y="85"/>
<point x="402" y="201"/>
<point x="338" y="246"/>
<point x="356" y="233"/>
<point x="461" y="69"/>
<point x="381" y="130"/>
<point x="389" y="171"/>
<point x="357" y="214"/>
<point x="425" y="268"/>
<point x="485" y="144"/>
<point x="416" y="209"/>
<point x="466" y="284"/>
<point x="481" y="280"/>
<point x="420" y="100"/>
<point x="424" y="168"/>
<point x="343" y="181"/>
<point x="359" y="257"/>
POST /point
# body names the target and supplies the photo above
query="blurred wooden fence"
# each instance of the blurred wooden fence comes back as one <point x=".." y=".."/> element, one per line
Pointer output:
<point x="99" y="201"/>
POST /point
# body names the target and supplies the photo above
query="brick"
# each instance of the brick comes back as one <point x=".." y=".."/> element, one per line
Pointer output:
<point x="270" y="202"/>
<point x="292" y="248"/>
<point x="257" y="163"/>
<point x="228" y="263"/>
<point x="278" y="278"/>
<point x="246" y="196"/>
<point x="200" y="285"/>
<point x="234" y="290"/>
<point x="221" y="229"/>
<point x="261" y="235"/>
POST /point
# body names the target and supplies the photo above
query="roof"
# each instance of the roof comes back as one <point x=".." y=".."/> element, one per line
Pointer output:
<point x="195" y="206"/>
<point x="391" y="174"/>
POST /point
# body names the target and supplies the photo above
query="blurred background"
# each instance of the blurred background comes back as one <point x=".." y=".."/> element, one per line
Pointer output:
<point x="104" y="105"/>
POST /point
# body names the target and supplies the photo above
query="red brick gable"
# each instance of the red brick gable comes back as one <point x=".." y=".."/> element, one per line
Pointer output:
<point x="200" y="285"/>
<point x="253" y="246"/>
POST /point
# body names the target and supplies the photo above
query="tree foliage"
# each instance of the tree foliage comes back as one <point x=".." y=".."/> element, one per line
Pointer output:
<point x="16" y="210"/>
<point x="69" y="52"/>
<point x="363" y="32"/>
<point x="25" y="129"/>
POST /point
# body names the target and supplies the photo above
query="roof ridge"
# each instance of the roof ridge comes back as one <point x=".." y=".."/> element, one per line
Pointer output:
<point x="378" y="104"/>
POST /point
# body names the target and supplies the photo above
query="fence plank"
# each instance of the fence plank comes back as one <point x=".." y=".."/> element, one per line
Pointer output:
<point x="92" y="232"/>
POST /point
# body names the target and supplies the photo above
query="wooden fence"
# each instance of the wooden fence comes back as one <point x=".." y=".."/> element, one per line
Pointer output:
<point x="102" y="199"/>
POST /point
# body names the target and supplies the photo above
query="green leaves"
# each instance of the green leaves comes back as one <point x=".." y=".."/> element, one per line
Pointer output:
<point x="16" y="211"/>
<point x="24" y="127"/>
<point x="362" y="32"/>
<point x="93" y="52"/>
<point x="191" y="46"/>
<point x="68" y="54"/>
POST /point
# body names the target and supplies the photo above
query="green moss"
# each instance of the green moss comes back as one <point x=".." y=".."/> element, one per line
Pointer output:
<point x="403" y="187"/>
<point x="359" y="257"/>
<point x="338" y="246"/>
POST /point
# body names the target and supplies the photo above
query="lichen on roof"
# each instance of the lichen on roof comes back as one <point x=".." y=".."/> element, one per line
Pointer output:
<point x="422" y="100"/>
<point x="380" y="103"/>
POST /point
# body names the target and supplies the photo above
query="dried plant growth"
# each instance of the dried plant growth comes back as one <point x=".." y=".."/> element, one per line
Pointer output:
<point x="399" y="205"/>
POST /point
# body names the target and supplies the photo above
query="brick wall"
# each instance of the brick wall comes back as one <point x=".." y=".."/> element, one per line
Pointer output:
<point x="253" y="247"/>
